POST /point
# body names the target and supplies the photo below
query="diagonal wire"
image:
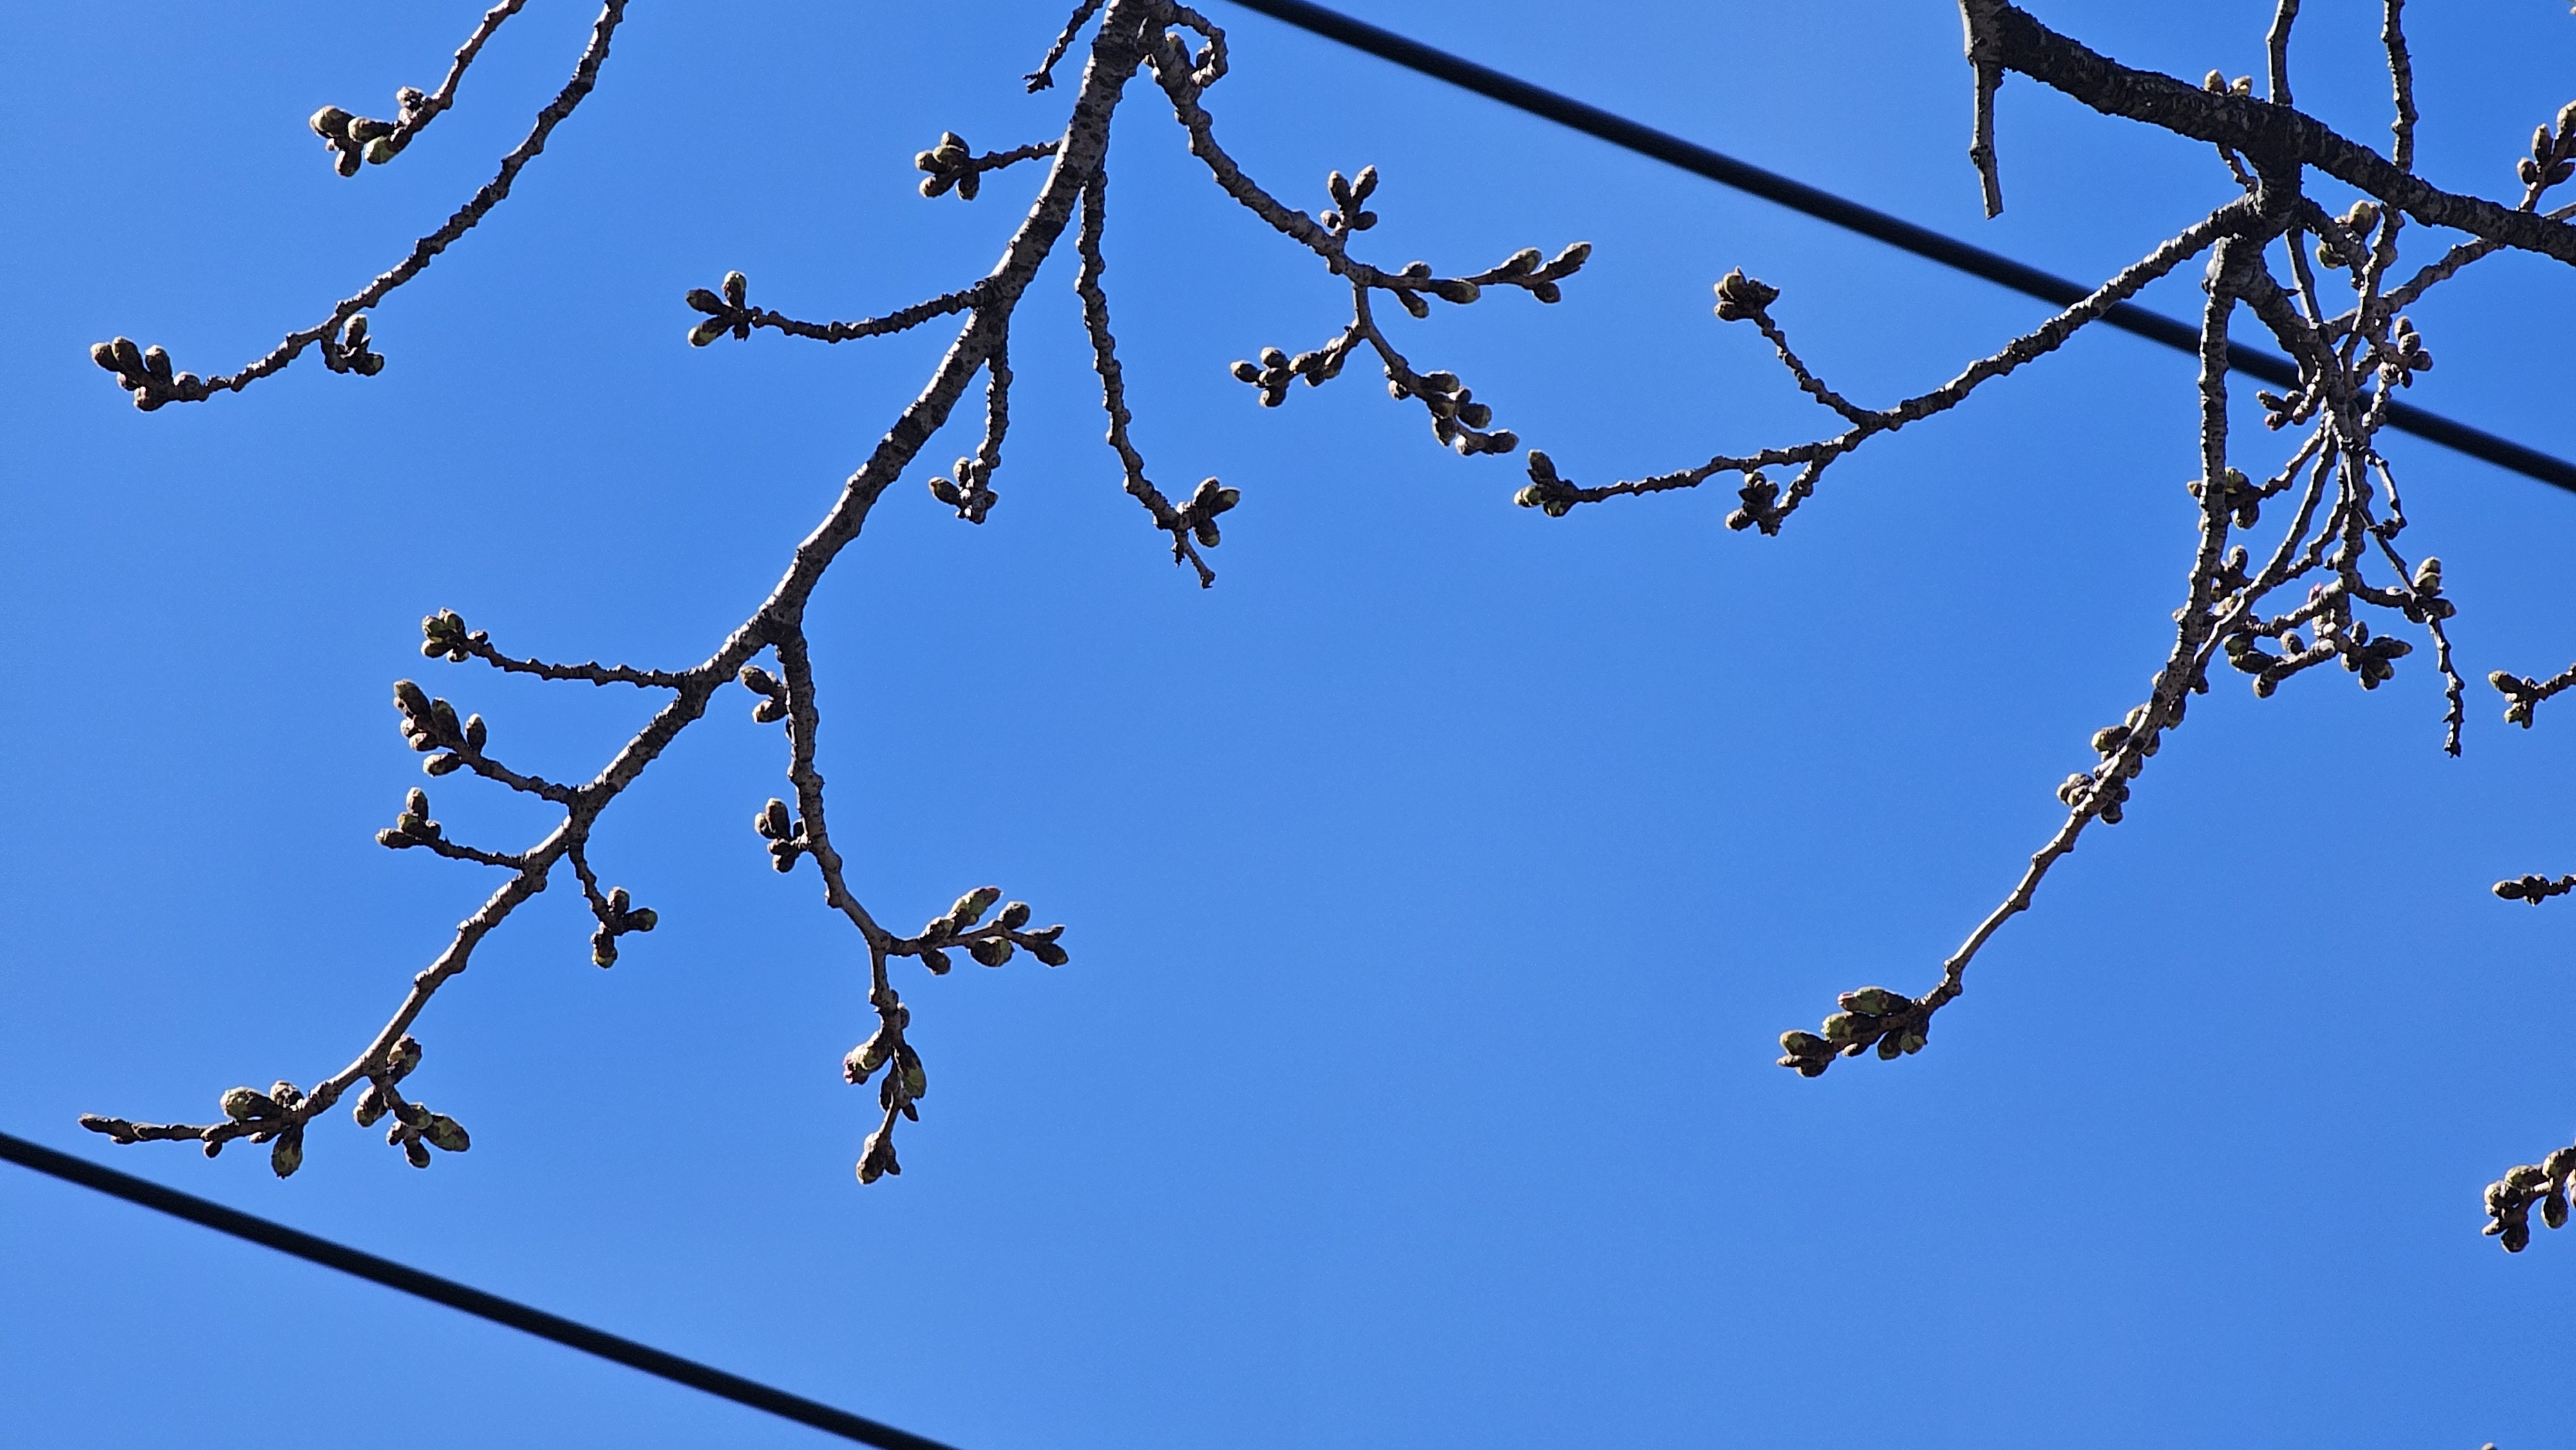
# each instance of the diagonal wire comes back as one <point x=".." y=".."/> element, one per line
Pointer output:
<point x="1851" y="216"/>
<point x="409" y="1280"/>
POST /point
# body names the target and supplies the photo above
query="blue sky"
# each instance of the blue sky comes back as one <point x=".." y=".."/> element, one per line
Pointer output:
<point x="1436" y="884"/>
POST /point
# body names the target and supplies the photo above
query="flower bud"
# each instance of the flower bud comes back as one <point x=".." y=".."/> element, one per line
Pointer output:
<point x="1877" y="1001"/>
<point x="876" y="1159"/>
<point x="970" y="908"/>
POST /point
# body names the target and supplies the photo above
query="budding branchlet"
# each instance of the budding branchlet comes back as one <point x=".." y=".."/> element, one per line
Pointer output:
<point x="1892" y="1022"/>
<point x="990" y="943"/>
<point x="1457" y="419"/>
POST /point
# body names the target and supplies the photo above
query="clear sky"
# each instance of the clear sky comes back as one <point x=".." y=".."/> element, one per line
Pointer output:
<point x="1436" y="885"/>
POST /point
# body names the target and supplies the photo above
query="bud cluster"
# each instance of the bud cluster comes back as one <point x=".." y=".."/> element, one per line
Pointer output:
<point x="618" y="914"/>
<point x="2534" y="889"/>
<point x="2553" y="155"/>
<point x="2523" y="694"/>
<point x="2424" y="603"/>
<point x="431" y="725"/>
<point x="348" y="353"/>
<point x="2280" y="410"/>
<point x="145" y="372"/>
<point x="2339" y="636"/>
<point x="2509" y="1199"/>
<point x="2105" y="788"/>
<point x="728" y="313"/>
<point x="2359" y="220"/>
<point x="2403" y="356"/>
<point x="1757" y="505"/>
<point x="903" y="1086"/>
<point x="415" y="1128"/>
<point x="1457" y="419"/>
<point x="1546" y="491"/>
<point x="1347" y="213"/>
<point x="969" y="491"/>
<point x="2237" y="495"/>
<point x="444" y="635"/>
<point x="357" y="140"/>
<point x="1276" y="370"/>
<point x="785" y="835"/>
<point x="951" y="163"/>
<point x="413" y="827"/>
<point x="1740" y="298"/>
<point x="1873" y="1016"/>
<point x="272" y="1118"/>
<point x="1198" y="516"/>
<point x="772" y="692"/>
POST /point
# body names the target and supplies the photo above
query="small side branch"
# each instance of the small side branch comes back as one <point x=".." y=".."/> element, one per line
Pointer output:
<point x="155" y="387"/>
<point x="1985" y="58"/>
<point x="729" y="310"/>
<point x="1113" y="380"/>
<point x="1742" y="298"/>
<point x="2276" y="47"/>
<point x="2401" y="82"/>
<point x="952" y="165"/>
<point x="357" y="140"/>
<point x="1044" y="76"/>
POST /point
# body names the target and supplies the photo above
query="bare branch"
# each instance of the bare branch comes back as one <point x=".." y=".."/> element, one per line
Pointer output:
<point x="2276" y="137"/>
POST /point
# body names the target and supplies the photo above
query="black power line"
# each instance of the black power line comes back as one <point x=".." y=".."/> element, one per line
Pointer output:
<point x="1850" y="215"/>
<point x="457" y="1296"/>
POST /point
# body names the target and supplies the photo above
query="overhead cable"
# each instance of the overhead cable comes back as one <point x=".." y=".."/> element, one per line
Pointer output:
<point x="429" y="1286"/>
